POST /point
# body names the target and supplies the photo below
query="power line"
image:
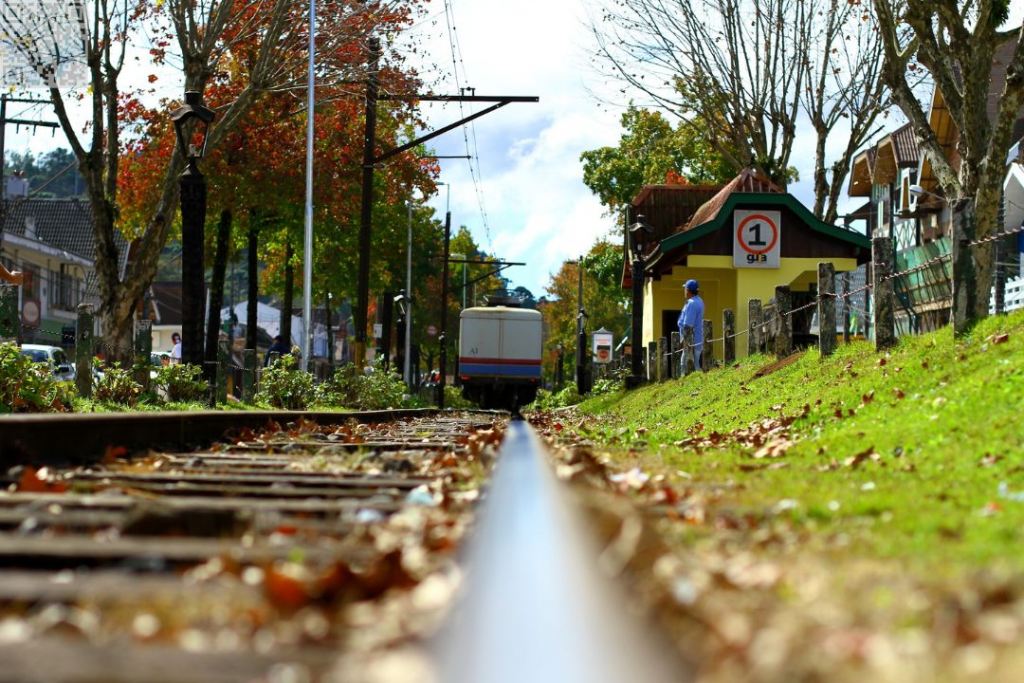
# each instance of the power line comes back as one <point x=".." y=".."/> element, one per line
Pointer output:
<point x="474" y="172"/>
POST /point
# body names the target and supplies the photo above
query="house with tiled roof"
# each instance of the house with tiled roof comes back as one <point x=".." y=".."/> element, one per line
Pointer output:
<point x="921" y="224"/>
<point x="50" y="241"/>
<point x="741" y="242"/>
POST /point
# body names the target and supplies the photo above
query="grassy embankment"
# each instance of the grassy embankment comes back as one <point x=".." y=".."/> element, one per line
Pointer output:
<point x="900" y="455"/>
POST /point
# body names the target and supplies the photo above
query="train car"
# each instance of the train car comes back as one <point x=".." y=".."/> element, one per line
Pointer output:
<point x="500" y="355"/>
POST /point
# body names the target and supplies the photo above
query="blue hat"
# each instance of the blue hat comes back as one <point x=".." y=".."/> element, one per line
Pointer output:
<point x="691" y="285"/>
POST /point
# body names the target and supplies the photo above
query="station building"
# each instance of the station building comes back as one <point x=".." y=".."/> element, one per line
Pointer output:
<point x="739" y="241"/>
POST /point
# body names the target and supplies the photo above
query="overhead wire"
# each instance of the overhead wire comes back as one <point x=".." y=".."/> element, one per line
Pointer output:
<point x="475" y="171"/>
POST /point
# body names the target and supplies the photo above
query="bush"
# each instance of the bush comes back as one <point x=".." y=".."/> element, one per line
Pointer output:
<point x="607" y="385"/>
<point x="284" y="386"/>
<point x="547" y="400"/>
<point x="117" y="386"/>
<point x="453" y="398"/>
<point x="27" y="387"/>
<point x="182" y="383"/>
<point x="378" y="390"/>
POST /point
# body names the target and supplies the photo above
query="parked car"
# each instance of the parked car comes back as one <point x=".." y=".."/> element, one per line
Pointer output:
<point x="53" y="356"/>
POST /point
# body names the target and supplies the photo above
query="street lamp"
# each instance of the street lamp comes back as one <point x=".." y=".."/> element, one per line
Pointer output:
<point x="559" y="369"/>
<point x="402" y="302"/>
<point x="191" y="126"/>
<point x="581" y="335"/>
<point x="638" y="233"/>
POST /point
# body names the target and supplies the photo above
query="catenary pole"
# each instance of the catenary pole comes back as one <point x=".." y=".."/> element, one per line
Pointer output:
<point x="307" y="245"/>
<point x="408" y="303"/>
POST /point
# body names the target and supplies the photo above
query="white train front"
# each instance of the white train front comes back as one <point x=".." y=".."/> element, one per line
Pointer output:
<point x="500" y="355"/>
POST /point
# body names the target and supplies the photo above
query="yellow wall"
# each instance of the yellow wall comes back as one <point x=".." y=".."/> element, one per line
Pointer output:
<point x="724" y="286"/>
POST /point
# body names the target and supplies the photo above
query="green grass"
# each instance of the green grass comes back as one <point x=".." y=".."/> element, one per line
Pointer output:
<point x="946" y="420"/>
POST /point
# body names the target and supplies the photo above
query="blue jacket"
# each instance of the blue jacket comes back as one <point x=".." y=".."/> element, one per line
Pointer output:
<point x="692" y="315"/>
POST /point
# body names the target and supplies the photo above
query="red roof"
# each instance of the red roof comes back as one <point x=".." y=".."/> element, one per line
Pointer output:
<point x="749" y="180"/>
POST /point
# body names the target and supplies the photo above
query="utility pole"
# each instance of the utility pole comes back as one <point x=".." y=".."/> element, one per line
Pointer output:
<point x="307" y="238"/>
<point x="366" y="207"/>
<point x="406" y="373"/>
<point x="443" y="339"/>
<point x="4" y="99"/>
<point x="581" y="335"/>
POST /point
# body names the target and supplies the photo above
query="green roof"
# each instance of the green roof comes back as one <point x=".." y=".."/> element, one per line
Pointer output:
<point x="762" y="199"/>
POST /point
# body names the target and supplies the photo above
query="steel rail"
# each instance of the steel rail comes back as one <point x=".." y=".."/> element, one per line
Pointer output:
<point x="536" y="606"/>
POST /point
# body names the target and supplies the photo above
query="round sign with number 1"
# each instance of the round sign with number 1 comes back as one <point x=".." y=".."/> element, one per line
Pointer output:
<point x="756" y="239"/>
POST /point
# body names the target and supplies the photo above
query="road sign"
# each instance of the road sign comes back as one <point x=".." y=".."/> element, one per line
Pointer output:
<point x="603" y="342"/>
<point x="757" y="239"/>
<point x="378" y="330"/>
<point x="431" y="330"/>
<point x="30" y="312"/>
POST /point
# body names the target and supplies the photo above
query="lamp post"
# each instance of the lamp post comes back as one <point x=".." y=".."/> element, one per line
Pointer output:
<point x="401" y="301"/>
<point x="191" y="125"/>
<point x="559" y="368"/>
<point x="638" y="233"/>
<point x="581" y="334"/>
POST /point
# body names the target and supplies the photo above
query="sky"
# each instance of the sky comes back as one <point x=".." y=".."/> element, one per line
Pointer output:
<point x="528" y="176"/>
<point x="522" y="196"/>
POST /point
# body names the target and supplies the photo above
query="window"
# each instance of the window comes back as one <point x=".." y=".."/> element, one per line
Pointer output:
<point x="64" y="288"/>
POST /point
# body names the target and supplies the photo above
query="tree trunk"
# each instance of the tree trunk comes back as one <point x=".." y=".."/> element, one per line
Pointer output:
<point x="821" y="187"/>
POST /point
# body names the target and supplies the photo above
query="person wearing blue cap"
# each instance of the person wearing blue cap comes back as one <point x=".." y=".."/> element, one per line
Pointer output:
<point x="692" y="316"/>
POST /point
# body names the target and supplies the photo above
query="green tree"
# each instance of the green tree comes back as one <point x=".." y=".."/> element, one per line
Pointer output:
<point x="53" y="174"/>
<point x="604" y="300"/>
<point x="649" y="151"/>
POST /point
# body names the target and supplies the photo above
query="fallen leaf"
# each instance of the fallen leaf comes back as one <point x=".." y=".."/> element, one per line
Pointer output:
<point x="855" y="461"/>
<point x="114" y="453"/>
<point x="37" y="481"/>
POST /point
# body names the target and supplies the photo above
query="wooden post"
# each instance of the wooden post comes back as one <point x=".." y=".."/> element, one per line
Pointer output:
<point x="965" y="274"/>
<point x="998" y="279"/>
<point x="660" y="349"/>
<point x="10" y="320"/>
<point x="675" y="343"/>
<point x="784" y="337"/>
<point x="826" y="309"/>
<point x="249" y="375"/>
<point x="846" y="308"/>
<point x="881" y="285"/>
<point x="223" y="368"/>
<point x="728" y="332"/>
<point x="686" y="362"/>
<point x="707" y="355"/>
<point x="756" y="320"/>
<point x="143" y="351"/>
<point x="84" y="342"/>
<point x="652" y="361"/>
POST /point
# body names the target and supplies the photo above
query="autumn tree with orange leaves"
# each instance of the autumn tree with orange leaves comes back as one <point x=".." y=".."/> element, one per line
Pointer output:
<point x="236" y="53"/>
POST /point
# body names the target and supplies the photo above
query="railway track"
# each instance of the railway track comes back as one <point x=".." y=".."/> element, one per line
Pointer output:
<point x="299" y="551"/>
